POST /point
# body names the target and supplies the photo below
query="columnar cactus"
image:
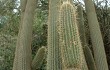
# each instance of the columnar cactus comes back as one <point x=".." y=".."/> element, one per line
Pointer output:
<point x="38" y="59"/>
<point x="22" y="59"/>
<point x="23" y="7"/>
<point x="53" y="57"/>
<point x="71" y="49"/>
<point x="87" y="51"/>
<point x="96" y="37"/>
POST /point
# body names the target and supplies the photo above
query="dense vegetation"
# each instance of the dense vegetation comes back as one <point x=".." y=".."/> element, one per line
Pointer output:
<point x="43" y="30"/>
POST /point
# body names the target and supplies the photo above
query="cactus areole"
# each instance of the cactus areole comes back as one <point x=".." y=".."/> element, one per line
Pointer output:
<point x="71" y="49"/>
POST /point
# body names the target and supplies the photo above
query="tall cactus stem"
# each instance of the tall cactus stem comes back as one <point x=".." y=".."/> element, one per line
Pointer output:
<point x="71" y="49"/>
<point x="88" y="54"/>
<point x="23" y="46"/>
<point x="96" y="37"/>
<point x="53" y="57"/>
<point x="38" y="59"/>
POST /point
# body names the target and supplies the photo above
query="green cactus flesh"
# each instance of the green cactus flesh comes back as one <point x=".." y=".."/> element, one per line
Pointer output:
<point x="38" y="59"/>
<point x="71" y="49"/>
<point x="53" y="57"/>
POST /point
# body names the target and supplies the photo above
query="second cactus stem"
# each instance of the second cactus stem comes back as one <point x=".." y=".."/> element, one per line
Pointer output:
<point x="38" y="59"/>
<point x="71" y="49"/>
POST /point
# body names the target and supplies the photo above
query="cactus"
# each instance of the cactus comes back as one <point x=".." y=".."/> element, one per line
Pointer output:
<point x="96" y="37"/>
<point x="87" y="51"/>
<point x="22" y="59"/>
<point x="53" y="56"/>
<point x="38" y="59"/>
<point x="71" y="49"/>
<point x="23" y="7"/>
<point x="84" y="66"/>
<point x="89" y="58"/>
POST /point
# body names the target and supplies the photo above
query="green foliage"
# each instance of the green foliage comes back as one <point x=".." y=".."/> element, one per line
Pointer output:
<point x="7" y="7"/>
<point x="87" y="51"/>
<point x="9" y="25"/>
<point x="7" y="47"/>
<point x="3" y="20"/>
<point x="8" y="30"/>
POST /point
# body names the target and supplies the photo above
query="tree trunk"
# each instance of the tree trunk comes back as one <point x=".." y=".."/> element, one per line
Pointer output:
<point x="69" y="39"/>
<point x="38" y="59"/>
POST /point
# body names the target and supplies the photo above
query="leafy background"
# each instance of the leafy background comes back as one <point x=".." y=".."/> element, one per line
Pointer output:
<point x="9" y="25"/>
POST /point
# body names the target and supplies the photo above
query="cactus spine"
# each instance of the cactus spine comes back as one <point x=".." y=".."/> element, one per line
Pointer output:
<point x="53" y="57"/>
<point x="87" y="51"/>
<point x="23" y="7"/>
<point x="81" y="33"/>
<point x="23" y="47"/>
<point x="71" y="49"/>
<point x="96" y="37"/>
<point x="38" y="59"/>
